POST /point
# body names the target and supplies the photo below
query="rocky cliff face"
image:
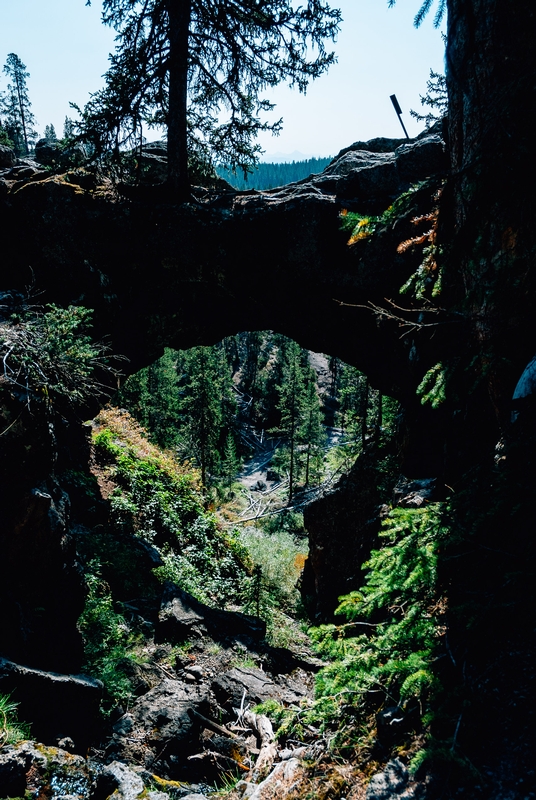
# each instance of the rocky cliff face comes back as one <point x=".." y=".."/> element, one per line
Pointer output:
<point x="157" y="274"/>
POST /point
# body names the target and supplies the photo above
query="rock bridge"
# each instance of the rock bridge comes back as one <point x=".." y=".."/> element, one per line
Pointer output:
<point x="161" y="275"/>
<point x="157" y="275"/>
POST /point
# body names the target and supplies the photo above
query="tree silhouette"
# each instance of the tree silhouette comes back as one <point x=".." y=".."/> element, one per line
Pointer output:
<point x="197" y="67"/>
<point x="15" y="104"/>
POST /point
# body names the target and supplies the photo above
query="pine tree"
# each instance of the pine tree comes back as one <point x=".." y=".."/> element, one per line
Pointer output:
<point x="50" y="134"/>
<point x="69" y="127"/>
<point x="16" y="106"/>
<point x="436" y="98"/>
<point x="4" y="136"/>
<point x="269" y="379"/>
<point x="355" y="407"/>
<point x="201" y="406"/>
<point x="198" y="67"/>
<point x="224" y="389"/>
<point x="151" y="396"/>
<point x="291" y="406"/>
<point x="312" y="432"/>
<point x="230" y="462"/>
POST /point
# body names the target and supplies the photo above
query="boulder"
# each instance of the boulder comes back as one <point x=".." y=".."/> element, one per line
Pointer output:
<point x="74" y="155"/>
<point x="23" y="172"/>
<point x="57" y="705"/>
<point x="229" y="688"/>
<point x="394" y="784"/>
<point x="41" y="586"/>
<point x="152" y="166"/>
<point x="377" y="180"/>
<point x="47" y="152"/>
<point x="327" y="184"/>
<point x="154" y="148"/>
<point x="280" y="781"/>
<point x="158" y="731"/>
<point x="27" y="162"/>
<point x="526" y="385"/>
<point x="414" y="493"/>
<point x="183" y="617"/>
<point x="381" y="144"/>
<point x="32" y="770"/>
<point x="195" y="796"/>
<point x="118" y="782"/>
<point x="524" y="397"/>
<point x="419" y="160"/>
<point x="52" y="154"/>
<point x="7" y="157"/>
<point x="354" y="160"/>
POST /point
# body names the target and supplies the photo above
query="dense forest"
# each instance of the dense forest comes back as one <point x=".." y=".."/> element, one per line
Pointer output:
<point x="269" y="176"/>
<point x="207" y="403"/>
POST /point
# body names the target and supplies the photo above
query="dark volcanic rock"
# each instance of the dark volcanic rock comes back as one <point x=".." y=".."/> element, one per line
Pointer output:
<point x="229" y="688"/>
<point x="190" y="281"/>
<point x="32" y="770"/>
<point x="378" y="180"/>
<point x="393" y="784"/>
<point x="47" y="152"/>
<point x="56" y="705"/>
<point x="415" y="493"/>
<point x="343" y="526"/>
<point x="41" y="587"/>
<point x="357" y="160"/>
<point x="159" y="723"/>
<point x="119" y="782"/>
<point x="183" y="617"/>
<point x="7" y="157"/>
<point x="152" y="166"/>
<point x="380" y="144"/>
<point x="420" y="159"/>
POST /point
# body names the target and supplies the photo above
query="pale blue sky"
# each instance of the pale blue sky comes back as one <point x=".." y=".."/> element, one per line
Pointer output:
<point x="65" y="48"/>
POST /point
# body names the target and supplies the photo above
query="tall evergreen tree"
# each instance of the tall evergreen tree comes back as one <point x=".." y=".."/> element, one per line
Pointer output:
<point x="201" y="406"/>
<point x="224" y="389"/>
<point x="185" y="64"/>
<point x="354" y="403"/>
<point x="312" y="431"/>
<point x="50" y="133"/>
<point x="69" y="127"/>
<point x="230" y="461"/>
<point x="16" y="106"/>
<point x="291" y="406"/>
<point x="151" y="396"/>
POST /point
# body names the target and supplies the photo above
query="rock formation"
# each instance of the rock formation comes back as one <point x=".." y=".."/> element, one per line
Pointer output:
<point x="159" y="274"/>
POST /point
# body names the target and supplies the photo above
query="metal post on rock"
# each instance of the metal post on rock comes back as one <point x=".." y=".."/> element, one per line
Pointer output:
<point x="398" y="110"/>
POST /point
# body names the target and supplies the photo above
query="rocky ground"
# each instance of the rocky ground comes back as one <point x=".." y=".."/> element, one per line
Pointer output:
<point x="190" y="728"/>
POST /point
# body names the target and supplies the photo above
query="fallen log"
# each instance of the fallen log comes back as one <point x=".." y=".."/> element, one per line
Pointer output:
<point x="262" y="726"/>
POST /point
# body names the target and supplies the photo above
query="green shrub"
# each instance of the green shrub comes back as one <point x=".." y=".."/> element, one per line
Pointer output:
<point x="108" y="639"/>
<point x="11" y="730"/>
<point x="385" y="650"/>
<point x="49" y="355"/>
<point x="160" y="501"/>
<point x="279" y="559"/>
